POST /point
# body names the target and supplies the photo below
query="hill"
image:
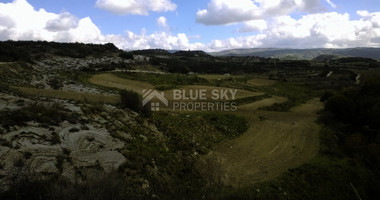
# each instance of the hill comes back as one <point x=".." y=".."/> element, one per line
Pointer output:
<point x="300" y="54"/>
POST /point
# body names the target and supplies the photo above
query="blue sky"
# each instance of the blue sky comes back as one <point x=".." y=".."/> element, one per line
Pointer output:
<point x="210" y="25"/>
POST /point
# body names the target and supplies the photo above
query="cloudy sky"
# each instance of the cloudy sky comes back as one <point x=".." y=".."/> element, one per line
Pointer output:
<point x="210" y="25"/>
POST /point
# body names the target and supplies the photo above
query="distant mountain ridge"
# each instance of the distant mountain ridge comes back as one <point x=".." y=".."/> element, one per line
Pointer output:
<point x="297" y="54"/>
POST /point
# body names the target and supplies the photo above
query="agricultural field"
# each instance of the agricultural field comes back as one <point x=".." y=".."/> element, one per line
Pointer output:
<point x="243" y="127"/>
<point x="274" y="141"/>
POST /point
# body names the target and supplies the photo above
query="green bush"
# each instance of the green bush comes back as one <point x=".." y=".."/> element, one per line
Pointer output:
<point x="55" y="83"/>
<point x="126" y="55"/>
<point x="132" y="100"/>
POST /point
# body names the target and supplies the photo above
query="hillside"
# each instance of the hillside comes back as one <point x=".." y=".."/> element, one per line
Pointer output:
<point x="300" y="54"/>
<point x="73" y="126"/>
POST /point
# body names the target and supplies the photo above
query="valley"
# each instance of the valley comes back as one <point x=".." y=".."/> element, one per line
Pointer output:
<point x="75" y="117"/>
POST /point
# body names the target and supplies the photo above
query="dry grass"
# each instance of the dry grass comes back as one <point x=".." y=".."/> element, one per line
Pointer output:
<point x="274" y="142"/>
<point x="211" y="77"/>
<point x="110" y="80"/>
<point x="257" y="82"/>
<point x="263" y="103"/>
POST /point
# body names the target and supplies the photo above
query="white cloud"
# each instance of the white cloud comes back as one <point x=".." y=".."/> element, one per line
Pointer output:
<point x="135" y="7"/>
<point x="254" y="25"/>
<point x="225" y="12"/>
<point x="161" y="21"/>
<point x="20" y="21"/>
<point x="331" y="3"/>
<point x="330" y="30"/>
<point x="362" y="13"/>
<point x="64" y="22"/>
<point x="220" y="12"/>
<point x="23" y="22"/>
<point x="158" y="40"/>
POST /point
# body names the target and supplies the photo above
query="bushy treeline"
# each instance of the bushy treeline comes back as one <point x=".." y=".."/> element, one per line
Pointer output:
<point x="220" y="65"/>
<point x="28" y="50"/>
<point x="354" y="115"/>
<point x="358" y="109"/>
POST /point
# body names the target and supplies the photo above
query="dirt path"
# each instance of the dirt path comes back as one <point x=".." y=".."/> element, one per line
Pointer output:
<point x="271" y="146"/>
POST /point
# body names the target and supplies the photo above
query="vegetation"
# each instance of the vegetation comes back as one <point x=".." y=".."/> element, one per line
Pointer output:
<point x="126" y="55"/>
<point x="296" y="95"/>
<point x="27" y="51"/>
<point x="348" y="162"/>
<point x="175" y="156"/>
<point x="55" y="83"/>
<point x="170" y="163"/>
<point x="164" y="80"/>
<point x="132" y="100"/>
<point x="211" y="129"/>
<point x="38" y="112"/>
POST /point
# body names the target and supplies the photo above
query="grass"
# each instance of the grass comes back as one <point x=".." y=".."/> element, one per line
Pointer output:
<point x="160" y="80"/>
<point x="211" y="77"/>
<point x="185" y="136"/>
<point x="260" y="82"/>
<point x="322" y="178"/>
<point x="296" y="95"/>
<point x="250" y="99"/>
<point x="326" y="176"/>
<point x="114" y="81"/>
<point x="198" y="131"/>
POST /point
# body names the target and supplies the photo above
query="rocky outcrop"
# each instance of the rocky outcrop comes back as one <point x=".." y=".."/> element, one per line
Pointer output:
<point x="94" y="141"/>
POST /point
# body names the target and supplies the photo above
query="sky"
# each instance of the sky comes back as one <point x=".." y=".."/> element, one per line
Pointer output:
<point x="209" y="25"/>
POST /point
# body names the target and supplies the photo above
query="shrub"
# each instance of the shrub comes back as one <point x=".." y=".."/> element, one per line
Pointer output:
<point x="55" y="83"/>
<point x="130" y="100"/>
<point x="133" y="101"/>
<point x="126" y="55"/>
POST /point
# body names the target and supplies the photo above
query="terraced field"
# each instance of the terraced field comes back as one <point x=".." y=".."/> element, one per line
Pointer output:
<point x="261" y="82"/>
<point x="274" y="142"/>
<point x="110" y="80"/>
